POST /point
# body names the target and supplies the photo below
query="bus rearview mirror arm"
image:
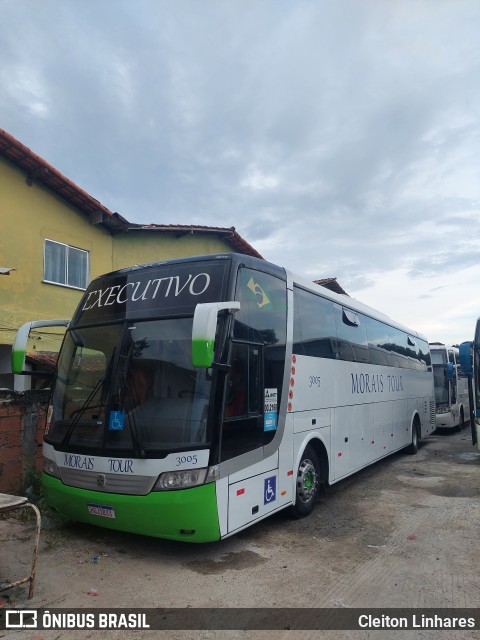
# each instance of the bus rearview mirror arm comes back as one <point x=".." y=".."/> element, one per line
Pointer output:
<point x="222" y="366"/>
<point x="449" y="371"/>
<point x="20" y="344"/>
<point x="203" y="332"/>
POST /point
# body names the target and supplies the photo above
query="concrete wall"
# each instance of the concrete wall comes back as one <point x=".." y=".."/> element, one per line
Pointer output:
<point x="22" y="423"/>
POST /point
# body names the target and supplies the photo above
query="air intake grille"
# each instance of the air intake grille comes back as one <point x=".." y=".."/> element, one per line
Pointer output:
<point x="108" y="482"/>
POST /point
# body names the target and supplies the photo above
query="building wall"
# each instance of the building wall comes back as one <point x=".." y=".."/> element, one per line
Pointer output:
<point x="141" y="247"/>
<point x="28" y="215"/>
<point x="31" y="214"/>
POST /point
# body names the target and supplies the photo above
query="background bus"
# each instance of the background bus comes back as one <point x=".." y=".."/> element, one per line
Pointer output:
<point x="451" y="387"/>
<point x="195" y="397"/>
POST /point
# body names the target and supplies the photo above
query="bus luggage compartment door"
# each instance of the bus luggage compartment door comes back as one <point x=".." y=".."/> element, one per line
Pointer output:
<point x="252" y="498"/>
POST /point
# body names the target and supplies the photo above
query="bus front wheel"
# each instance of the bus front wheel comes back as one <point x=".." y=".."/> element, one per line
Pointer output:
<point x="307" y="483"/>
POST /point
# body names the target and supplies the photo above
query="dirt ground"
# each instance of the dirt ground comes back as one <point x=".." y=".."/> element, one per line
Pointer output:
<point x="402" y="533"/>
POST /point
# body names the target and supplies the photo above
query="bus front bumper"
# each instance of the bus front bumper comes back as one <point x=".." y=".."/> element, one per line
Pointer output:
<point x="445" y="420"/>
<point x="189" y="515"/>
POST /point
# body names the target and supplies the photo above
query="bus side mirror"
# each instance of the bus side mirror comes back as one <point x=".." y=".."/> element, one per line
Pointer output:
<point x="449" y="370"/>
<point x="20" y="344"/>
<point x="204" y="329"/>
<point x="465" y="352"/>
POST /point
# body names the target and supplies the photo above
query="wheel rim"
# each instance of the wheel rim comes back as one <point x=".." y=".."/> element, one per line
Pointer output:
<point x="306" y="481"/>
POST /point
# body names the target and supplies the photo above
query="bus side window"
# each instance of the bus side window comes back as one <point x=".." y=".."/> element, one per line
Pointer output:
<point x="400" y="348"/>
<point x="424" y="356"/>
<point x="352" y="336"/>
<point x="378" y="342"/>
<point x="314" y="331"/>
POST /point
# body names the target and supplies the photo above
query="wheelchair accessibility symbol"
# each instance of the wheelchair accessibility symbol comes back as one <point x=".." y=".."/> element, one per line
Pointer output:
<point x="269" y="489"/>
<point x="117" y="420"/>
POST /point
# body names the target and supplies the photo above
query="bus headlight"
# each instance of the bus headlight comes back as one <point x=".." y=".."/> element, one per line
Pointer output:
<point x="50" y="468"/>
<point x="180" y="479"/>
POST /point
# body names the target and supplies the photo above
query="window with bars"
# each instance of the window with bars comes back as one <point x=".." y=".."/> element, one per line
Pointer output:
<point x="65" y="265"/>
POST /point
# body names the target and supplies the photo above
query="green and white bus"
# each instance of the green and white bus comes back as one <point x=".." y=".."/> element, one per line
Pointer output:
<point x="197" y="396"/>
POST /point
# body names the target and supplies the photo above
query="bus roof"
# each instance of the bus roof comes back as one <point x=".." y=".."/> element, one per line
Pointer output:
<point x="258" y="263"/>
<point x="351" y="303"/>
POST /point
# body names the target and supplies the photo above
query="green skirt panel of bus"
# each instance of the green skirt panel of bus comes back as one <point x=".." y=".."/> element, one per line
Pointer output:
<point x="189" y="515"/>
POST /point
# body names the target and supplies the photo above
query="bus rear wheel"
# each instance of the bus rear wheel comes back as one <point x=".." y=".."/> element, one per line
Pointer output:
<point x="307" y="483"/>
<point x="413" y="447"/>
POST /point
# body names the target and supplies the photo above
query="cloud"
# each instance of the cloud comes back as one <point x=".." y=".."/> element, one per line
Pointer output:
<point x="340" y="139"/>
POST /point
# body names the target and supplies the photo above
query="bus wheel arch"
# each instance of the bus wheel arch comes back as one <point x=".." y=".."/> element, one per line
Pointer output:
<point x="416" y="433"/>
<point x="312" y="471"/>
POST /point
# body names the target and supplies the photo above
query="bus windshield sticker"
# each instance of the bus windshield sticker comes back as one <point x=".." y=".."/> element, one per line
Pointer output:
<point x="270" y="410"/>
<point x="116" y="421"/>
<point x="260" y="295"/>
<point x="269" y="489"/>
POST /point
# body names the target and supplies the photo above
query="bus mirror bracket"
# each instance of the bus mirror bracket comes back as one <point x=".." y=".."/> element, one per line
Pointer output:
<point x="449" y="371"/>
<point x="204" y="329"/>
<point x="222" y="366"/>
<point x="465" y="353"/>
<point x="20" y="343"/>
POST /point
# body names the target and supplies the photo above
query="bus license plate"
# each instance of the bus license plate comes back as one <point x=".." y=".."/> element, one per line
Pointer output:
<point x="101" y="510"/>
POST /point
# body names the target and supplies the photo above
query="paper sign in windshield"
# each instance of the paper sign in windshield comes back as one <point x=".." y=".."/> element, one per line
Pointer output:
<point x="270" y="410"/>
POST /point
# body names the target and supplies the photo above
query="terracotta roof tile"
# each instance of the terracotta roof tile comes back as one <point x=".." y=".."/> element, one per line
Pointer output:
<point x="39" y="170"/>
<point x="332" y="284"/>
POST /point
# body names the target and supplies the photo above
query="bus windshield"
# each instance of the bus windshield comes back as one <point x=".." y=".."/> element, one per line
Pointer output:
<point x="130" y="388"/>
<point x="439" y="361"/>
<point x="438" y="357"/>
<point x="441" y="384"/>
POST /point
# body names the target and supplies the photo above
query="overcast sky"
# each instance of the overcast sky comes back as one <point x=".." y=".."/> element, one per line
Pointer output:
<point x="340" y="138"/>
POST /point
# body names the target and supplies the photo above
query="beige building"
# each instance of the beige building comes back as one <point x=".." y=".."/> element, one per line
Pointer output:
<point x="55" y="238"/>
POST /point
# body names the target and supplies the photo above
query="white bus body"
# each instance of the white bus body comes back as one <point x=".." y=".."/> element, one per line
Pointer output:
<point x="152" y="431"/>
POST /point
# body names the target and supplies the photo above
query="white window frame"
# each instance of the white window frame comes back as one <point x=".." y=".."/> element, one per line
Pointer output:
<point x="67" y="248"/>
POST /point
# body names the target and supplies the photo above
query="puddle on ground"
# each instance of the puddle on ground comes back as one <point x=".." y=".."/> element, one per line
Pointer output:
<point x="233" y="561"/>
<point x="454" y="491"/>
<point x="473" y="456"/>
<point x="440" y="486"/>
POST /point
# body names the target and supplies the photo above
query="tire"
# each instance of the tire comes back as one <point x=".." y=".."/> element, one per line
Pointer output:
<point x="461" y="422"/>
<point x="307" y="484"/>
<point x="413" y="446"/>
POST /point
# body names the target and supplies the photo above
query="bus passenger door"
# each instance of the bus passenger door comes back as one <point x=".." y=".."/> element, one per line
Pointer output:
<point x="242" y="429"/>
<point x="453" y="380"/>
<point x="254" y="489"/>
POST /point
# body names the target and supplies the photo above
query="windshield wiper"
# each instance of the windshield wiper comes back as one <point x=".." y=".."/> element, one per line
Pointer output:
<point x="123" y="393"/>
<point x="81" y="411"/>
<point x="136" y="439"/>
<point x="103" y="382"/>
